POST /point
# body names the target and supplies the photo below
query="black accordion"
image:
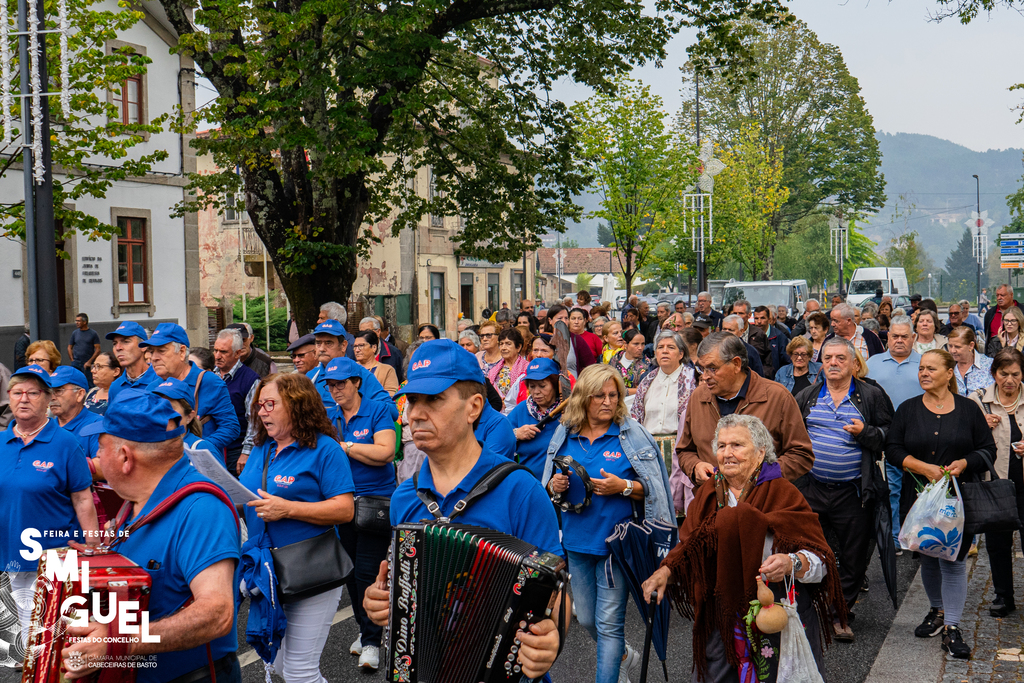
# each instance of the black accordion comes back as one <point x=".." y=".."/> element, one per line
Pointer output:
<point x="458" y="596"/>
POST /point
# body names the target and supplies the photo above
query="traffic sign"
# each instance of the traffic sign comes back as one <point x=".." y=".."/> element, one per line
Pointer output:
<point x="1011" y="243"/>
<point x="1012" y="250"/>
<point x="1012" y="236"/>
<point x="1011" y="265"/>
<point x="1011" y="257"/>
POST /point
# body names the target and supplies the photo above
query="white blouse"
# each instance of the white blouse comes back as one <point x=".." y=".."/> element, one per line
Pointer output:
<point x="661" y="407"/>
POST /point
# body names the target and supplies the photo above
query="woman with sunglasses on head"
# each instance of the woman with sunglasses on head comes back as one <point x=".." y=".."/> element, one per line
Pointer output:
<point x="105" y="369"/>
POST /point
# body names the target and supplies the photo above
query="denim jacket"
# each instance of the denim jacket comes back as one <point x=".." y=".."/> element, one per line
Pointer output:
<point x="643" y="456"/>
<point x="784" y="375"/>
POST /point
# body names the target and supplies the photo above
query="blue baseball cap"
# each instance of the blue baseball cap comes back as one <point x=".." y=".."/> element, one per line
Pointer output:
<point x="342" y="368"/>
<point x="167" y="333"/>
<point x="37" y="372"/>
<point x="332" y="327"/>
<point x="541" y="368"/>
<point x="172" y="387"/>
<point x="128" y="328"/>
<point x="137" y="415"/>
<point x="65" y="374"/>
<point x="438" y="364"/>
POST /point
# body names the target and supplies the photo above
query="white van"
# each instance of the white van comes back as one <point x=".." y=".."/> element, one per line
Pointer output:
<point x="866" y="280"/>
<point x="789" y="293"/>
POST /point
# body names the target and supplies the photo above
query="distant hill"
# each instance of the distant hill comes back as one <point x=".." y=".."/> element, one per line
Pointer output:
<point x="935" y="177"/>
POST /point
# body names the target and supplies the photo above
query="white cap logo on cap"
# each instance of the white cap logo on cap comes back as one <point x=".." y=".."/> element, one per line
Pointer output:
<point x="420" y="364"/>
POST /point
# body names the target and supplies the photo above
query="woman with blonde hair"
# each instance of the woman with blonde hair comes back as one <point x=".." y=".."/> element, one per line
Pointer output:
<point x="1009" y="336"/>
<point x="43" y="353"/>
<point x="622" y="461"/>
<point x="611" y="335"/>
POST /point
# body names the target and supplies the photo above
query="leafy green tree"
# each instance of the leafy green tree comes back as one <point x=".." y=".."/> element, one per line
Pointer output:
<point x="329" y="110"/>
<point x="605" y="236"/>
<point x="961" y="279"/>
<point x="809" y="113"/>
<point x="639" y="165"/>
<point x="804" y="253"/>
<point x="583" y="281"/>
<point x="90" y="146"/>
<point x="570" y="244"/>
<point x="906" y="252"/>
<point x="255" y="315"/>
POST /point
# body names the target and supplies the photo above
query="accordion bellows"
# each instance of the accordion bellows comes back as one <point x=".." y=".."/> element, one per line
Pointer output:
<point x="459" y="594"/>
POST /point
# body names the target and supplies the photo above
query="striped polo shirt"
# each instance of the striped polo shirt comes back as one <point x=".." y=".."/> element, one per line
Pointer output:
<point x="837" y="455"/>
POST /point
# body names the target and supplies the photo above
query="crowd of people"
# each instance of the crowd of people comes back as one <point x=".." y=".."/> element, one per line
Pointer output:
<point x="776" y="440"/>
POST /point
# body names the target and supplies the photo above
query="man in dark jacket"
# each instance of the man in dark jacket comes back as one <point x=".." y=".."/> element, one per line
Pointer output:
<point x="776" y="338"/>
<point x="994" y="316"/>
<point x="755" y="337"/>
<point x="253" y="357"/>
<point x="703" y="309"/>
<point x="736" y="325"/>
<point x="810" y="306"/>
<point x="847" y="420"/>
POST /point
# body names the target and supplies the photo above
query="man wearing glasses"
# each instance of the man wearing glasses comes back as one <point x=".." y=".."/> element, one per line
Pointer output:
<point x="729" y="387"/>
<point x="303" y="353"/>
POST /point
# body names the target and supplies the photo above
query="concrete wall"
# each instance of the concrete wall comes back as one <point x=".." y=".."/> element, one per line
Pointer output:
<point x="10" y="334"/>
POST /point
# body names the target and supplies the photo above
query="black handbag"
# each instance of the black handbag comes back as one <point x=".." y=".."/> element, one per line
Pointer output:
<point x="310" y="567"/>
<point x="373" y="515"/>
<point x="989" y="505"/>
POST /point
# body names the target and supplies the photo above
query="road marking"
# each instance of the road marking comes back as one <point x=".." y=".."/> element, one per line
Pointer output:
<point x="251" y="657"/>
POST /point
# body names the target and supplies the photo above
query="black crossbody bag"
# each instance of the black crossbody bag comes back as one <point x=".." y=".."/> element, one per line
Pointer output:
<point x="310" y="567"/>
<point x="373" y="513"/>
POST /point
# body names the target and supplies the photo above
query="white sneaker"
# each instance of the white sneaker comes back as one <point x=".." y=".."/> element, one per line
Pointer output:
<point x="370" y="659"/>
<point x="631" y="660"/>
<point x="356" y="648"/>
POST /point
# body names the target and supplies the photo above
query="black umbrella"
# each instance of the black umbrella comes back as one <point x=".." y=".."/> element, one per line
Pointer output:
<point x="639" y="548"/>
<point x="886" y="549"/>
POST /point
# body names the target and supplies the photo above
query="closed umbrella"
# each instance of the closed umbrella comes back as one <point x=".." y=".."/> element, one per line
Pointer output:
<point x="639" y="548"/>
<point x="886" y="549"/>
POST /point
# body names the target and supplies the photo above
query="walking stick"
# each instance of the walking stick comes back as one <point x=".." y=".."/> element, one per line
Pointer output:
<point x="647" y="638"/>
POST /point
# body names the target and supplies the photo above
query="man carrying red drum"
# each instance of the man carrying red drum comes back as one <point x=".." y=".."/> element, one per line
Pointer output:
<point x="191" y="552"/>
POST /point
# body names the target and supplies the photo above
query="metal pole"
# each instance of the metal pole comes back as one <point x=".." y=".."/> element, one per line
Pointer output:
<point x="701" y="264"/>
<point x="266" y="296"/>
<point x="977" y="225"/>
<point x="46" y="234"/>
<point x="26" y="157"/>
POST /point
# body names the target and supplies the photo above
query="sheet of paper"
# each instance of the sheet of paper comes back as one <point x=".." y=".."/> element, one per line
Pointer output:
<point x="210" y="465"/>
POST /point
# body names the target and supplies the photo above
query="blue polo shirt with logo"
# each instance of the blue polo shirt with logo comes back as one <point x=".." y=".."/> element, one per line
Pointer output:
<point x="496" y="433"/>
<point x="309" y="475"/>
<point x="519" y="506"/>
<point x="586" y="531"/>
<point x="195" y="534"/>
<point x="38" y="482"/>
<point x="372" y="417"/>
<point x="91" y="443"/>
<point x="369" y="388"/>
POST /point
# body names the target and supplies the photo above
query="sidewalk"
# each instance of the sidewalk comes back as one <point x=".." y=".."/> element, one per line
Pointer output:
<point x="998" y="644"/>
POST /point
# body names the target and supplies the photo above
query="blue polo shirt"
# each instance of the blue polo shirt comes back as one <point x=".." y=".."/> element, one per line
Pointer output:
<point x="495" y="432"/>
<point x="214" y="402"/>
<point x="122" y="382"/>
<point x="38" y="482"/>
<point x="531" y="453"/>
<point x="90" y="444"/>
<point x="372" y="417"/>
<point x="309" y="475"/>
<point x="519" y="506"/>
<point x="195" y="534"/>
<point x="586" y="531"/>
<point x="197" y="444"/>
<point x="370" y="388"/>
<point x="897" y="378"/>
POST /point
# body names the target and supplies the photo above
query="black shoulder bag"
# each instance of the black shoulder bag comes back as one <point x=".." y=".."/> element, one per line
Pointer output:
<point x="373" y="513"/>
<point x="989" y="505"/>
<point x="309" y="567"/>
<point x="485" y="485"/>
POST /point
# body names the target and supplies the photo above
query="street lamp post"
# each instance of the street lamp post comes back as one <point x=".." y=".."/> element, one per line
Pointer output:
<point x="978" y="224"/>
<point x="929" y="285"/>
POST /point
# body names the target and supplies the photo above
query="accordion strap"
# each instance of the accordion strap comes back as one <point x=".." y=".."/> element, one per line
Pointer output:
<point x="485" y="485"/>
<point x="167" y="504"/>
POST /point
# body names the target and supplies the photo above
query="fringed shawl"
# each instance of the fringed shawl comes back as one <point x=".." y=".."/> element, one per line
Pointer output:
<point x="715" y="565"/>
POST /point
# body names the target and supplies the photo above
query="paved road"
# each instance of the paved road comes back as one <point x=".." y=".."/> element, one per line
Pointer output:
<point x="846" y="663"/>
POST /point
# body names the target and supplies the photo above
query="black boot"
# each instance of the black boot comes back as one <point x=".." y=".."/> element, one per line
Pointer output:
<point x="1001" y="607"/>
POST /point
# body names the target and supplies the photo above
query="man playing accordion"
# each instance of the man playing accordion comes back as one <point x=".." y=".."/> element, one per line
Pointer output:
<point x="191" y="552"/>
<point x="445" y="399"/>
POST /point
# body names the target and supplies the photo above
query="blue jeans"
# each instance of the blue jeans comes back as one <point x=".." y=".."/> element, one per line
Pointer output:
<point x="894" y="476"/>
<point x="600" y="602"/>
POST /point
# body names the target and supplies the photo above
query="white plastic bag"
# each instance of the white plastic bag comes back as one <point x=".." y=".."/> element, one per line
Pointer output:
<point x="796" y="661"/>
<point x="935" y="524"/>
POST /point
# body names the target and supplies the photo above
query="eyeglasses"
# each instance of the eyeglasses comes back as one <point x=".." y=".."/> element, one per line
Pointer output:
<point x="304" y="353"/>
<point x="38" y="360"/>
<point x="360" y="347"/>
<point x="100" y="365"/>
<point x="31" y="395"/>
<point x="60" y="391"/>
<point x="606" y="398"/>
<point x="799" y="354"/>
<point x="486" y="335"/>
<point x="267" y="406"/>
<point x="708" y="369"/>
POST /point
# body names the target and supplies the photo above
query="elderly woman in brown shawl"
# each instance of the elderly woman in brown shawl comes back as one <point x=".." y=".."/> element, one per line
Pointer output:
<point x="748" y="521"/>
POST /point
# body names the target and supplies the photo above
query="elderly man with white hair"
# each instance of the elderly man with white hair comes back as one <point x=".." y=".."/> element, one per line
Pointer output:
<point x="332" y="310"/>
<point x="844" y="325"/>
<point x="387" y="354"/>
<point x="240" y="381"/>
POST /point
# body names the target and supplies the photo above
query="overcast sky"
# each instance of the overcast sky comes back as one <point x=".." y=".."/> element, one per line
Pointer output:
<point x="917" y="76"/>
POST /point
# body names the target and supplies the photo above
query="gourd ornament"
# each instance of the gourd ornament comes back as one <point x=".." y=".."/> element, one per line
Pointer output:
<point x="771" y="618"/>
